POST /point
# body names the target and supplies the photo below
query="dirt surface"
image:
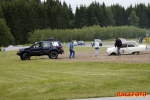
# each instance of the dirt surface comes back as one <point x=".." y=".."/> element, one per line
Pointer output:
<point x="143" y="57"/>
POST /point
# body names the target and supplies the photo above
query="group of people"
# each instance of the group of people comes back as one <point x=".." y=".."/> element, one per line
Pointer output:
<point x="118" y="44"/>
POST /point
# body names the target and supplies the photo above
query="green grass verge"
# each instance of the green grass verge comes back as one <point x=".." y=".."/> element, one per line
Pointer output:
<point x="45" y="79"/>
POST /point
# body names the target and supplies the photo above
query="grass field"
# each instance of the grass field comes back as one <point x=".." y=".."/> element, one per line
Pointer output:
<point x="46" y="79"/>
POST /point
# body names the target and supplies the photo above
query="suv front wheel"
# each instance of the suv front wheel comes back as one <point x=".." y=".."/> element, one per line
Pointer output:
<point x="25" y="56"/>
<point x="53" y="55"/>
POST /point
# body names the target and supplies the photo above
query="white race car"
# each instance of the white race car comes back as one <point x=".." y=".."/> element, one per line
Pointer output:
<point x="128" y="47"/>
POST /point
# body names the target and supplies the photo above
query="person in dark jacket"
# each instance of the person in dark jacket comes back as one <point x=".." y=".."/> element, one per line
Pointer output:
<point x="118" y="44"/>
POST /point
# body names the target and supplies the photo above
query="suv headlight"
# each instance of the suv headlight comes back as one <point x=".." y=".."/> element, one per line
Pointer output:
<point x="18" y="51"/>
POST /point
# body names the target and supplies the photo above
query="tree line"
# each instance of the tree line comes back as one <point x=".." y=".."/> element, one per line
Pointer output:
<point x="87" y="33"/>
<point x="23" y="17"/>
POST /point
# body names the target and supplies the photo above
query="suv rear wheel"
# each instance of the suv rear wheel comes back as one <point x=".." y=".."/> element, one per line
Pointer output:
<point x="25" y="56"/>
<point x="53" y="55"/>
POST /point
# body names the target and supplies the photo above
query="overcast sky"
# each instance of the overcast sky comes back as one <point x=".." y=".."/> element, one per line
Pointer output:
<point x="124" y="3"/>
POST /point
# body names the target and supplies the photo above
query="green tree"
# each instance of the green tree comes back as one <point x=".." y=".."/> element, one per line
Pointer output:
<point x="77" y="18"/>
<point x="98" y="13"/>
<point x="71" y="15"/>
<point x="42" y="16"/>
<point x="104" y="16"/>
<point x="91" y="15"/>
<point x="128" y="12"/>
<point x="118" y="14"/>
<point x="71" y="18"/>
<point x="141" y="12"/>
<point x="37" y="1"/>
<point x="65" y="16"/>
<point x="1" y="13"/>
<point x="59" y="16"/>
<point x="133" y="19"/>
<point x="148" y="15"/>
<point x="6" y="37"/>
<point x="51" y="21"/>
<point x="83" y="16"/>
<point x="111" y="21"/>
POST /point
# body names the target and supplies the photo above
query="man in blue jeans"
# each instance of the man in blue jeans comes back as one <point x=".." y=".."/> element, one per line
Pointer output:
<point x="72" y="53"/>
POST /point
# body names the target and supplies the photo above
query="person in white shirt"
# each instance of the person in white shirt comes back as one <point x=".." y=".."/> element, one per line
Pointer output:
<point x="96" y="48"/>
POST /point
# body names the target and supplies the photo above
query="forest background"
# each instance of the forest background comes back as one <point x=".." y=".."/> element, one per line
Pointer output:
<point x="26" y="21"/>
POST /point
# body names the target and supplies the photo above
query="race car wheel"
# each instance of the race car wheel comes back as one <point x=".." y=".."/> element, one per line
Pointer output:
<point x="136" y="53"/>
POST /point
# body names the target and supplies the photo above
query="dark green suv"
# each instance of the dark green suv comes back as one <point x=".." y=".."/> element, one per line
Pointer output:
<point x="50" y="48"/>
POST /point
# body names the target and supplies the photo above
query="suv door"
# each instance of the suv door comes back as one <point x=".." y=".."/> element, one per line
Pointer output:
<point x="46" y="47"/>
<point x="37" y="49"/>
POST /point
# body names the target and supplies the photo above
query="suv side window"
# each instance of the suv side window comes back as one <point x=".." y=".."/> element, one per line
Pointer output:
<point x="46" y="44"/>
<point x="55" y="43"/>
<point x="36" y="45"/>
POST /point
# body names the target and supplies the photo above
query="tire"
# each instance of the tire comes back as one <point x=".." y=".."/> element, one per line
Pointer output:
<point x="25" y="56"/>
<point x="136" y="53"/>
<point x="113" y="53"/>
<point x="53" y="55"/>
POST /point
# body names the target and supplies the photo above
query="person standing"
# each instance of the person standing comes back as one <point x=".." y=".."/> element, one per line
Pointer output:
<point x="118" y="44"/>
<point x="96" y="48"/>
<point x="72" y="52"/>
